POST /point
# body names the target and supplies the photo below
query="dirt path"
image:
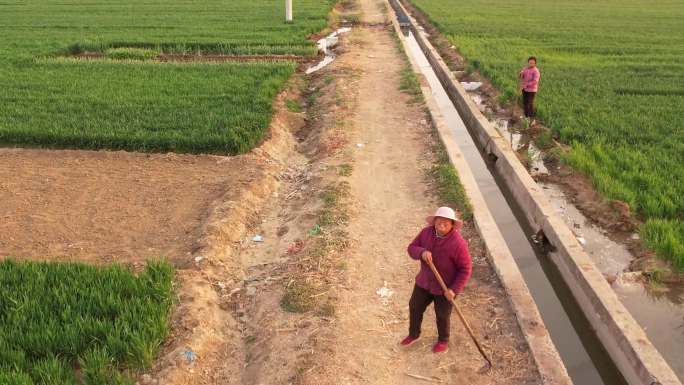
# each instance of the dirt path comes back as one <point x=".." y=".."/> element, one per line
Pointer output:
<point x="388" y="186"/>
<point x="391" y="199"/>
<point x="373" y="12"/>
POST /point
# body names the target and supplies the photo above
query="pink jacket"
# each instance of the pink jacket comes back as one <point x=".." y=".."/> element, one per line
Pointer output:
<point x="530" y="78"/>
<point x="450" y="256"/>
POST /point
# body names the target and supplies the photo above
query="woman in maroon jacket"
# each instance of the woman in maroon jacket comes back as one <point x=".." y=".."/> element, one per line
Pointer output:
<point x="442" y="244"/>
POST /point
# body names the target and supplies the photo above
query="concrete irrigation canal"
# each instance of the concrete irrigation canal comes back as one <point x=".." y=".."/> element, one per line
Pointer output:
<point x="561" y="315"/>
<point x="596" y="338"/>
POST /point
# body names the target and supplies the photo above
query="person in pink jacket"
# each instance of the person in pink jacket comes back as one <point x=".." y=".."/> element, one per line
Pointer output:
<point x="442" y="244"/>
<point x="529" y="83"/>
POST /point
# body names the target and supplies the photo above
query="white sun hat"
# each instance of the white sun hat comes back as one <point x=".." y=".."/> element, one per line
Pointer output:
<point x="444" y="212"/>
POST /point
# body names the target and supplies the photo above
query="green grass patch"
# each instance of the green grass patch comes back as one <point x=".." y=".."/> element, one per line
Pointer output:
<point x="544" y="140"/>
<point x="345" y="169"/>
<point x="666" y="236"/>
<point x="298" y="297"/>
<point x="410" y="85"/>
<point x="408" y="79"/>
<point x="56" y="318"/>
<point x="333" y="212"/>
<point x="611" y="87"/>
<point x="293" y="105"/>
<point x="331" y="197"/>
<point x="449" y="187"/>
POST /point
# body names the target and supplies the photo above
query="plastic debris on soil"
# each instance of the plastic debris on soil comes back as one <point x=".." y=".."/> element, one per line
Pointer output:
<point x="326" y="60"/>
<point x="471" y="86"/>
<point x="190" y="356"/>
<point x="295" y="247"/>
<point x="234" y="291"/>
<point x="537" y="166"/>
<point x="517" y="140"/>
<point x="315" y="230"/>
<point x="384" y="293"/>
<point x="324" y="45"/>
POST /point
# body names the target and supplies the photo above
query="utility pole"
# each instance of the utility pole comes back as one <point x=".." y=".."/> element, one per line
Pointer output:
<point x="288" y="11"/>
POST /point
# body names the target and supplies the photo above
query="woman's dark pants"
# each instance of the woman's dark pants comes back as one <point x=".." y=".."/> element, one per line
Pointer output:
<point x="528" y="103"/>
<point x="420" y="299"/>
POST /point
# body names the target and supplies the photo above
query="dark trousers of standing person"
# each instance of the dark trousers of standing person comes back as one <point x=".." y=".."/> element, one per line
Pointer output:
<point x="528" y="103"/>
<point x="420" y="300"/>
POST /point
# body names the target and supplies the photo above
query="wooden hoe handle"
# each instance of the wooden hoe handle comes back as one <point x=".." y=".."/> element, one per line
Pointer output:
<point x="458" y="311"/>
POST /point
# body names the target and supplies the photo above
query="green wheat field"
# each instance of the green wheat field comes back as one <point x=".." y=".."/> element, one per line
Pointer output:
<point x="50" y="100"/>
<point x="55" y="317"/>
<point x="612" y="87"/>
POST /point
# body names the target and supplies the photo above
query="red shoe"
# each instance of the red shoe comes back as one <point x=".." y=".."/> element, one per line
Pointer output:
<point x="440" y="347"/>
<point x="408" y="341"/>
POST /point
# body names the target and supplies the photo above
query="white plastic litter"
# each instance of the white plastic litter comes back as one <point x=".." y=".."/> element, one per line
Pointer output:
<point x="324" y="46"/>
<point x="384" y="293"/>
<point x="326" y="60"/>
<point x="257" y="238"/>
<point x="582" y="241"/>
<point x="471" y="86"/>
